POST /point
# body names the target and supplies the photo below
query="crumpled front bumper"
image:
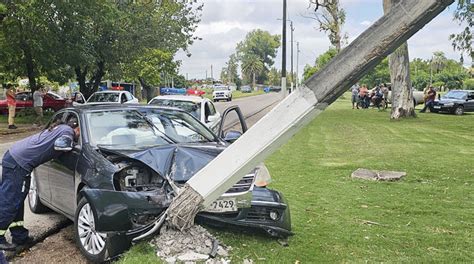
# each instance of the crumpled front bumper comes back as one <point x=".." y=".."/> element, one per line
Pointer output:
<point x="121" y="212"/>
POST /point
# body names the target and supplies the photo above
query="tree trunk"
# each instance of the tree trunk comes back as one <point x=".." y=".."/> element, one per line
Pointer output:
<point x="97" y="78"/>
<point x="253" y="81"/>
<point x="30" y="70"/>
<point x="399" y="64"/>
<point x="81" y="79"/>
<point x="150" y="92"/>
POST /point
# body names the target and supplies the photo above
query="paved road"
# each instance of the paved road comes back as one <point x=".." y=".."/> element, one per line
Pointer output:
<point x="41" y="226"/>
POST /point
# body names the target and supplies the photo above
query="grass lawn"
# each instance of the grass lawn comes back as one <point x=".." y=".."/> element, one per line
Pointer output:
<point x="426" y="217"/>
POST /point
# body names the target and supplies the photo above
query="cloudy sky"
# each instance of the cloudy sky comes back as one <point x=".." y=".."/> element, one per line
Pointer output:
<point x="226" y="22"/>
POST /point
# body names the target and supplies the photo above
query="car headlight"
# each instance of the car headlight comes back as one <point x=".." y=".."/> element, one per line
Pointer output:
<point x="263" y="177"/>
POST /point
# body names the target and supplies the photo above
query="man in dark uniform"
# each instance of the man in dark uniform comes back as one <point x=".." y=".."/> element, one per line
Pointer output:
<point x="17" y="164"/>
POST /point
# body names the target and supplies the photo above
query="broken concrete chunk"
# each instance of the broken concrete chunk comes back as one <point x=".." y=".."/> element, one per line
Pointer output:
<point x="192" y="256"/>
<point x="373" y="175"/>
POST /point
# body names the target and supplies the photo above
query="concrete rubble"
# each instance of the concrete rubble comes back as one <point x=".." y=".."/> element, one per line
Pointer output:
<point x="194" y="245"/>
<point x="373" y="175"/>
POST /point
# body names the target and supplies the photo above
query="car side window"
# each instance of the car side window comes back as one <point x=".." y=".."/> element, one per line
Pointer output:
<point x="470" y="96"/>
<point x="212" y="109"/>
<point x="129" y="96"/>
<point x="72" y="119"/>
<point x="123" y="99"/>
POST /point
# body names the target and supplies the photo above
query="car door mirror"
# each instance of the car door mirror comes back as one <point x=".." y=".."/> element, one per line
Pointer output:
<point x="212" y="118"/>
<point x="232" y="136"/>
<point x="63" y="143"/>
<point x="230" y="122"/>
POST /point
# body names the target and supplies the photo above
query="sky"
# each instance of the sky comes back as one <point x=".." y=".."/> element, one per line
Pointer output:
<point x="224" y="23"/>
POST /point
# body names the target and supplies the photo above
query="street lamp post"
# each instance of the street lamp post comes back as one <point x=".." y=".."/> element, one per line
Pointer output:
<point x="297" y="62"/>
<point x="292" y="73"/>
<point x="283" y="59"/>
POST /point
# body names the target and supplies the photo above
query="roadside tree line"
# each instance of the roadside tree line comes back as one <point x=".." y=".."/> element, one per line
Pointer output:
<point x="88" y="40"/>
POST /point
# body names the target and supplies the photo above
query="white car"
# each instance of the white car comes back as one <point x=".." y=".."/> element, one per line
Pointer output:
<point x="222" y="93"/>
<point x="201" y="108"/>
<point x="112" y="97"/>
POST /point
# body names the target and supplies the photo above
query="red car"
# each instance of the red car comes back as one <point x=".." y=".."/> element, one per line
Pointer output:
<point x="51" y="102"/>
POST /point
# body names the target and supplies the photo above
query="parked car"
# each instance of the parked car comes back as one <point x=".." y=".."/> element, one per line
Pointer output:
<point x="222" y="93"/>
<point x="456" y="102"/>
<point x="199" y="107"/>
<point x="24" y="101"/>
<point x="246" y="89"/>
<point x="120" y="176"/>
<point x="112" y="97"/>
<point x="418" y="97"/>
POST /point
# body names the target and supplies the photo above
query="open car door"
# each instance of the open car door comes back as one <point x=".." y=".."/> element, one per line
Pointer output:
<point x="232" y="124"/>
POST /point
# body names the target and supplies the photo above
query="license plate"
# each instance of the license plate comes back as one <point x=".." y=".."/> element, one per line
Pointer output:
<point x="436" y="107"/>
<point x="222" y="205"/>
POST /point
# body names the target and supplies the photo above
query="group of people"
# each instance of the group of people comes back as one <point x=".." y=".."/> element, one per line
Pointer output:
<point x="362" y="96"/>
<point x="37" y="105"/>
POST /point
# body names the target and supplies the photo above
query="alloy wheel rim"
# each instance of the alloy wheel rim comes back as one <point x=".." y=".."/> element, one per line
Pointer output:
<point x="91" y="240"/>
<point x="32" y="193"/>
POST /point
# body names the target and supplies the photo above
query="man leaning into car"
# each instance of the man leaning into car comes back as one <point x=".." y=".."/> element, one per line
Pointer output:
<point x="17" y="164"/>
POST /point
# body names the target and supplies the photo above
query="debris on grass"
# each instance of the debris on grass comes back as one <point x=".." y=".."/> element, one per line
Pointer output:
<point x="374" y="175"/>
<point x="193" y="245"/>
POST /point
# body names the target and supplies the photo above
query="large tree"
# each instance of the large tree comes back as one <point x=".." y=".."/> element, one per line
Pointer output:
<point x="399" y="64"/>
<point x="319" y="63"/>
<point x="260" y="44"/>
<point x="462" y="41"/>
<point x="252" y="65"/>
<point x="330" y="17"/>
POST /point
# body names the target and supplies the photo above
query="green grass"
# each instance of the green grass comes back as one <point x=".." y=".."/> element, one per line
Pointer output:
<point x="426" y="217"/>
<point x="24" y="118"/>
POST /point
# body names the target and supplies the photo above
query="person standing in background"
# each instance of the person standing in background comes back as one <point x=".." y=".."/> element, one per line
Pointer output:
<point x="38" y="105"/>
<point x="355" y="95"/>
<point x="11" y="102"/>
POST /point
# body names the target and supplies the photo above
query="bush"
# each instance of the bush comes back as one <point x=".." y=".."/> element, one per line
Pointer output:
<point x="469" y="84"/>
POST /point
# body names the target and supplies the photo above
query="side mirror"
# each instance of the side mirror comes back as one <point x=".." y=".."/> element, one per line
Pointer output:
<point x="212" y="118"/>
<point x="63" y="143"/>
<point x="232" y="136"/>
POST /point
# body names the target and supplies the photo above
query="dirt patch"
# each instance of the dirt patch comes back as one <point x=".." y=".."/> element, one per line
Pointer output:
<point x="8" y="135"/>
<point x="58" y="248"/>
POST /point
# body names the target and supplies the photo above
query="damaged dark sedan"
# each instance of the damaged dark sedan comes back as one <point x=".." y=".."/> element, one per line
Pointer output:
<point x="120" y="176"/>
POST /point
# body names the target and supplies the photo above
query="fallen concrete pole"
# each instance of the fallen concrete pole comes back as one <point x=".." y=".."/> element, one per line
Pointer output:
<point x="302" y="106"/>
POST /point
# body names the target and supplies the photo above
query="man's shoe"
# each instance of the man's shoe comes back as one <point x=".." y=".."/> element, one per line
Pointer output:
<point x="29" y="240"/>
<point x="12" y="127"/>
<point x="7" y="246"/>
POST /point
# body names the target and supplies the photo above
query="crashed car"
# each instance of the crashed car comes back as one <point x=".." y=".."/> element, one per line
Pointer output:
<point x="116" y="181"/>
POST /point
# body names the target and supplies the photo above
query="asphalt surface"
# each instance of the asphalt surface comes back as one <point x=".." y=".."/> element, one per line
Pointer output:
<point x="43" y="225"/>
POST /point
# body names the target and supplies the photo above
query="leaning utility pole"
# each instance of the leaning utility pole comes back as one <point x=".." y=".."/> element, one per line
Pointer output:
<point x="283" y="53"/>
<point x="302" y="106"/>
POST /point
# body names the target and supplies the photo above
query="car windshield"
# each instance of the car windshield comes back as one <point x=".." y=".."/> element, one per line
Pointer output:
<point x="179" y="126"/>
<point x="104" y="98"/>
<point x="455" y="95"/>
<point x="123" y="129"/>
<point x="221" y="88"/>
<point x="190" y="107"/>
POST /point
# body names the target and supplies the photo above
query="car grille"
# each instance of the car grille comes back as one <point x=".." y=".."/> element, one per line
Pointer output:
<point x="219" y="94"/>
<point x="258" y="213"/>
<point x="243" y="185"/>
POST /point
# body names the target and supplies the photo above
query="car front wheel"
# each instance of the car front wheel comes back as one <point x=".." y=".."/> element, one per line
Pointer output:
<point x="459" y="110"/>
<point x="92" y="244"/>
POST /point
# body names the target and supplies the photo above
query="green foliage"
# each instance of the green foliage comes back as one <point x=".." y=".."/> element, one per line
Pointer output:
<point x="274" y="77"/>
<point x="262" y="45"/>
<point x="320" y="62"/>
<point x="462" y="41"/>
<point x="252" y="65"/>
<point x="469" y="84"/>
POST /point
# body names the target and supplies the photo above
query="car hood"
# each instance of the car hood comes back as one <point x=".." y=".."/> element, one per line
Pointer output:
<point x="447" y="101"/>
<point x="180" y="161"/>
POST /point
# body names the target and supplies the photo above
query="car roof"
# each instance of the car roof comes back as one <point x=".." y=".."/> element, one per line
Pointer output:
<point x="110" y="91"/>
<point x="112" y="107"/>
<point x="190" y="98"/>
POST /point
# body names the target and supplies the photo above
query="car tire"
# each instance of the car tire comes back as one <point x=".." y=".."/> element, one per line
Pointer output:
<point x="92" y="244"/>
<point x="459" y="110"/>
<point x="34" y="201"/>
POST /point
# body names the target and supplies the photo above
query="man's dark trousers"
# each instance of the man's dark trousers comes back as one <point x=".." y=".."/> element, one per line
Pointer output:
<point x="14" y="188"/>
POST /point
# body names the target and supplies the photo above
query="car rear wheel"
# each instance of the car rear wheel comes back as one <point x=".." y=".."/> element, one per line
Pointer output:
<point x="459" y="110"/>
<point x="92" y="244"/>
<point x="33" y="197"/>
